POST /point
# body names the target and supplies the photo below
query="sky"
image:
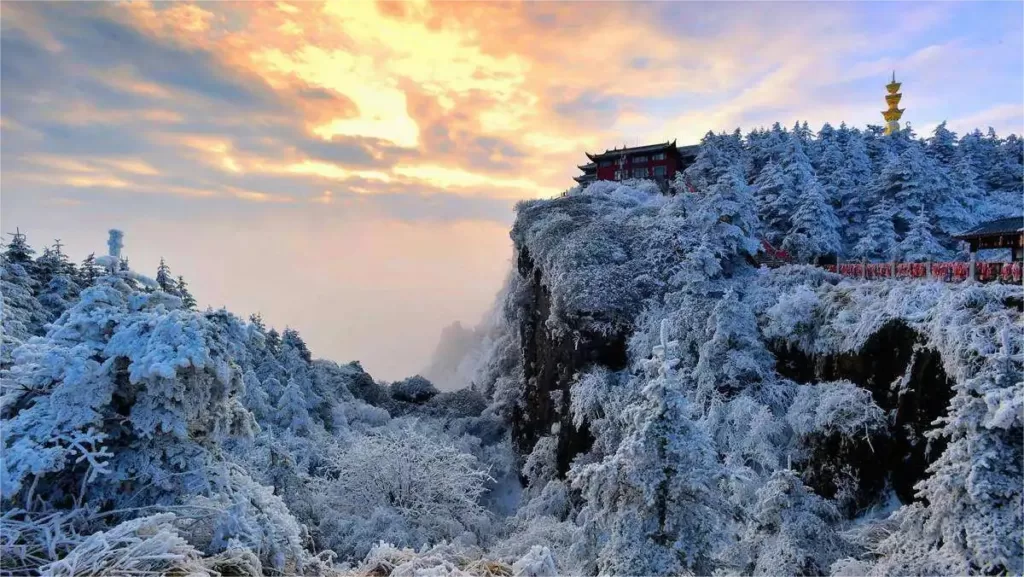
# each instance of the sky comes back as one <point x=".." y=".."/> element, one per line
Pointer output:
<point x="351" y="169"/>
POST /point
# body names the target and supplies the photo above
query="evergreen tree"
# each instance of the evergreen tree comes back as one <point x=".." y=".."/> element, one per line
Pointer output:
<point x="919" y="245"/>
<point x="879" y="238"/>
<point x="1006" y="171"/>
<point x="814" y="231"/>
<point x="908" y="185"/>
<point x="187" y="300"/>
<point x="942" y="145"/>
<point x="273" y="344"/>
<point x="21" y="316"/>
<point x="827" y="138"/>
<point x="965" y="206"/>
<point x="712" y="161"/>
<point x="656" y="499"/>
<point x="775" y="200"/>
<point x="817" y="231"/>
<point x="792" y="531"/>
<point x="290" y="339"/>
<point x="728" y="230"/>
<point x="291" y="408"/>
<point x="89" y="271"/>
<point x="18" y="251"/>
<point x="257" y="321"/>
<point x="164" y="278"/>
<point x="831" y="170"/>
<point x="55" y="277"/>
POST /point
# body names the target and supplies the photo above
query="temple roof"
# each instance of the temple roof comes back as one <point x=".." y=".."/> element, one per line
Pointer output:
<point x="689" y="150"/>
<point x="1012" y="225"/>
<point x="634" y="150"/>
<point x="588" y="166"/>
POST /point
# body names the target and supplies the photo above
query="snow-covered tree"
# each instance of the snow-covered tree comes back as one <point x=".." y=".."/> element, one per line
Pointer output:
<point x="942" y="145"/>
<point x="879" y="238"/>
<point x="727" y="226"/>
<point x="403" y="485"/>
<point x="187" y="300"/>
<point x="164" y="278"/>
<point x="656" y="500"/>
<point x="814" y="228"/>
<point x="775" y="201"/>
<point x="919" y="244"/>
<point x="792" y="531"/>
<point x="291" y="408"/>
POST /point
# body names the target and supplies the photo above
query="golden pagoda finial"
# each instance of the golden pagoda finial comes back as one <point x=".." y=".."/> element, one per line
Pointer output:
<point x="893" y="114"/>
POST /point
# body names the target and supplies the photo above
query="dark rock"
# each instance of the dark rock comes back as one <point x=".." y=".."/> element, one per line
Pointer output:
<point x="900" y="456"/>
<point x="550" y="361"/>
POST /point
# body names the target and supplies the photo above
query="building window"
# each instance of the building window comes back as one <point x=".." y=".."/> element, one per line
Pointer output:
<point x="639" y="173"/>
<point x="606" y="163"/>
<point x="618" y="175"/>
<point x="659" y="171"/>
<point x="639" y="159"/>
<point x="659" y="156"/>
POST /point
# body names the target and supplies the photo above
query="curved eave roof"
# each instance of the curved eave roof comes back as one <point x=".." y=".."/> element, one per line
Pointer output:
<point x="1001" y="226"/>
<point x="635" y="150"/>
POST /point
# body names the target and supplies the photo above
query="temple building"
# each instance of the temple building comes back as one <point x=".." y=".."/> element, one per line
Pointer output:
<point x="657" y="162"/>
<point x="893" y="114"/>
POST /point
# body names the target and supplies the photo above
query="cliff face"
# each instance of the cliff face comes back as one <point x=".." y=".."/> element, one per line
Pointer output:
<point x="908" y="382"/>
<point x="550" y="359"/>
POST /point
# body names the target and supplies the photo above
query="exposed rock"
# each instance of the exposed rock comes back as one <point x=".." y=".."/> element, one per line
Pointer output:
<point x="550" y="360"/>
<point x="906" y="381"/>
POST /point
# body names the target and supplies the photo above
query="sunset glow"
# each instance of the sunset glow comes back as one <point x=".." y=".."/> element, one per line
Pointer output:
<point x="352" y="124"/>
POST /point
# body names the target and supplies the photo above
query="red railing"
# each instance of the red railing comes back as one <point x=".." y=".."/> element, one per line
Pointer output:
<point x="944" y="271"/>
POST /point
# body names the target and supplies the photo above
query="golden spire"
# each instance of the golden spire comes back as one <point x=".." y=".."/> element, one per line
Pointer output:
<point x="893" y="114"/>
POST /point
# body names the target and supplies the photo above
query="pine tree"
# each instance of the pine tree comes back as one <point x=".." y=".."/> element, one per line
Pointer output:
<point x="1006" y="171"/>
<point x="22" y="316"/>
<point x="942" y="145"/>
<point x="879" y="238"/>
<point x="88" y="271"/>
<point x="187" y="300"/>
<point x="728" y="229"/>
<point x="909" y="185"/>
<point x="919" y="245"/>
<point x="656" y="498"/>
<point x="775" y="200"/>
<point x="291" y="408"/>
<point x="712" y="161"/>
<point x="814" y="232"/>
<point x="18" y="251"/>
<point x="56" y="278"/>
<point x="165" y="280"/>
<point x="792" y="531"/>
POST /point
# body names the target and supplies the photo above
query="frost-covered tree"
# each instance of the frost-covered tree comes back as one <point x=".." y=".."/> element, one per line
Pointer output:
<point x="919" y="244"/>
<point x="733" y="358"/>
<point x="89" y="271"/>
<point x="187" y="300"/>
<point x="942" y="145"/>
<point x="727" y="230"/>
<point x="814" y="228"/>
<point x="164" y="278"/>
<point x="879" y="238"/>
<point x="404" y="486"/>
<point x="415" y="389"/>
<point x="713" y="160"/>
<point x="792" y="531"/>
<point x="656" y="501"/>
<point x="291" y="408"/>
<point x="22" y="315"/>
<point x="775" y="201"/>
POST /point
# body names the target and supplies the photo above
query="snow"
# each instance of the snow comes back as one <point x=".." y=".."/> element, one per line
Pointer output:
<point x="140" y="435"/>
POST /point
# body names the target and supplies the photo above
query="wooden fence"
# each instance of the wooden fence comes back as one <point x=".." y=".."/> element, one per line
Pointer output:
<point x="942" y="271"/>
